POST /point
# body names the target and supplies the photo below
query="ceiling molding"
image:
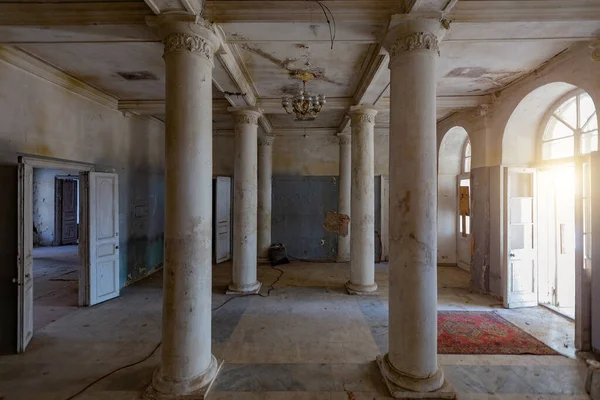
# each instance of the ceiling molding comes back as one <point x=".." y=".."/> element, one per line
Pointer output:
<point x="41" y="69"/>
<point x="299" y="11"/>
<point x="73" y="14"/>
<point x="193" y="7"/>
<point x="524" y="10"/>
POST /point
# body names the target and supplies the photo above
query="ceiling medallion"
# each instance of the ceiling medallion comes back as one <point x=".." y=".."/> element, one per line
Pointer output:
<point x="305" y="105"/>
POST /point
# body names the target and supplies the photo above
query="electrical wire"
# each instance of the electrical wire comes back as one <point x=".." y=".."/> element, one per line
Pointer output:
<point x="327" y="13"/>
<point x="271" y="288"/>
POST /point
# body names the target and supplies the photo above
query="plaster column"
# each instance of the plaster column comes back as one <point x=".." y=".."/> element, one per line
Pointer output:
<point x="265" y="181"/>
<point x="187" y="366"/>
<point x="362" y="217"/>
<point x="245" y="192"/>
<point x="343" y="253"/>
<point x="411" y="364"/>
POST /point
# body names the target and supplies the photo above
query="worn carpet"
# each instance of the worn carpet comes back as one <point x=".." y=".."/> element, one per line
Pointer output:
<point x="477" y="332"/>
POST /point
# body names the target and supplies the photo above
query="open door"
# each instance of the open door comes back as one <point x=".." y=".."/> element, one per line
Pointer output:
<point x="25" y="257"/>
<point x="222" y="219"/>
<point x="99" y="237"/>
<point x="521" y="284"/>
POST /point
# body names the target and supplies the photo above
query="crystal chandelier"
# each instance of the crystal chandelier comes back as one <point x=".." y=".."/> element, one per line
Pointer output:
<point x="305" y="105"/>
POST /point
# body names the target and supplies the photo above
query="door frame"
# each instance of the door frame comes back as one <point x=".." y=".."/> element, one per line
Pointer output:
<point x="58" y="181"/>
<point x="64" y="165"/>
<point x="460" y="239"/>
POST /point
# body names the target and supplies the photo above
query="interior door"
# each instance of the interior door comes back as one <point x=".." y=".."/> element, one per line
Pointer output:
<point x="222" y="219"/>
<point x="25" y="257"/>
<point x="521" y="279"/>
<point x="102" y="236"/>
<point x="69" y="211"/>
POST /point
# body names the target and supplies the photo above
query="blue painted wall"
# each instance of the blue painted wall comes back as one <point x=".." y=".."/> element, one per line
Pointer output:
<point x="300" y="205"/>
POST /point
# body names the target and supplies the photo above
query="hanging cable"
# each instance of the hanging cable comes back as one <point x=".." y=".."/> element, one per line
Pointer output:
<point x="328" y="14"/>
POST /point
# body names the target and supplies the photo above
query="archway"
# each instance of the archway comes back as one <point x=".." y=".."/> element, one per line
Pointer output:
<point x="454" y="166"/>
<point x="547" y="221"/>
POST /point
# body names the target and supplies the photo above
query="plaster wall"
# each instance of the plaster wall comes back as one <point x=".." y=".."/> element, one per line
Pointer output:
<point x="44" y="205"/>
<point x="42" y="119"/>
<point x="506" y="133"/>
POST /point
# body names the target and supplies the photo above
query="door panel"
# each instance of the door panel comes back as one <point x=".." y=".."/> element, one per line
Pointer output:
<point x="69" y="211"/>
<point x="103" y="231"/>
<point x="25" y="258"/>
<point x="222" y="219"/>
<point x="521" y="283"/>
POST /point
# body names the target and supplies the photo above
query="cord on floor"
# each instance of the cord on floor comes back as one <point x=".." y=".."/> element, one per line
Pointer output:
<point x="271" y="288"/>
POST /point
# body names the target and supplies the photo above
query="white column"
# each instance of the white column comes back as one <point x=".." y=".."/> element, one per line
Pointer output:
<point x="245" y="192"/>
<point x="187" y="365"/>
<point x="265" y="180"/>
<point x="343" y="253"/>
<point x="362" y="217"/>
<point x="411" y="364"/>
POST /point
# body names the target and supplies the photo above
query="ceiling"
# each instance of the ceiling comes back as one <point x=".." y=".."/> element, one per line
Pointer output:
<point x="108" y="46"/>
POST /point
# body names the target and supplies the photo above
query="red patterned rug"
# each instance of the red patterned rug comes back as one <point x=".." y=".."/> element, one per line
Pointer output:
<point x="476" y="332"/>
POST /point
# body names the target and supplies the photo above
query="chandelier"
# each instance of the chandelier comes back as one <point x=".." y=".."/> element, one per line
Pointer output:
<point x="305" y="105"/>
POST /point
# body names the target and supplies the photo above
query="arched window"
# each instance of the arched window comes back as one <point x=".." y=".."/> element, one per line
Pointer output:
<point x="467" y="157"/>
<point x="574" y="120"/>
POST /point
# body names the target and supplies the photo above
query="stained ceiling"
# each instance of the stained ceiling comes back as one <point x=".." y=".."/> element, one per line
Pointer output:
<point x="489" y="45"/>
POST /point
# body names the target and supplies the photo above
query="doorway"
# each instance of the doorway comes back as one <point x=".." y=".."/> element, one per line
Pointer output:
<point x="56" y="263"/>
<point x="556" y="208"/>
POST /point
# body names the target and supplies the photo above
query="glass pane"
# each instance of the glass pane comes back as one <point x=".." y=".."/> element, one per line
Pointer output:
<point x="468" y="164"/>
<point x="468" y="150"/>
<point x="587" y="246"/>
<point x="587" y="215"/>
<point x="589" y="142"/>
<point x="586" y="107"/>
<point x="591" y="124"/>
<point x="468" y="224"/>
<point x="586" y="180"/>
<point x="465" y="182"/>
<point x="558" y="148"/>
<point x="521" y="237"/>
<point x="556" y="130"/>
<point x="521" y="210"/>
<point x="460" y="224"/>
<point x="568" y="112"/>
<point x="521" y="184"/>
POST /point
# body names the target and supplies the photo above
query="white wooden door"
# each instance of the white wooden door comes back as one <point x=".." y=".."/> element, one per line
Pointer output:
<point x="102" y="237"/>
<point x="25" y="258"/>
<point x="521" y="238"/>
<point x="222" y="219"/>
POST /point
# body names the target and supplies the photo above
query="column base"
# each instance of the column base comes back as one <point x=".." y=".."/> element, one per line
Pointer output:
<point x="197" y="388"/>
<point x="342" y="260"/>
<point x="363" y="290"/>
<point x="234" y="289"/>
<point x="402" y="386"/>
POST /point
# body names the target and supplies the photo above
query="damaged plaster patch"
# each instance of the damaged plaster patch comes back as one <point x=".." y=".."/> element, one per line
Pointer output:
<point x="483" y="75"/>
<point x="318" y="72"/>
<point x="337" y="223"/>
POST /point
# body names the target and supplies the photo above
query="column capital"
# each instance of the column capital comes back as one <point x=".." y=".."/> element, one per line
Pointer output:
<point x="362" y="114"/>
<point x="183" y="32"/>
<point x="245" y="115"/>
<point x="408" y="33"/>
<point x="344" y="139"/>
<point x="266" y="140"/>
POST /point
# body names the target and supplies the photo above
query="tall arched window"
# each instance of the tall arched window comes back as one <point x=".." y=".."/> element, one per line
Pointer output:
<point x="573" y="121"/>
<point x="467" y="157"/>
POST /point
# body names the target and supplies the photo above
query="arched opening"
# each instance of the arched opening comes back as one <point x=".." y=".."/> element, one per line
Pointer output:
<point x="547" y="203"/>
<point x="454" y="225"/>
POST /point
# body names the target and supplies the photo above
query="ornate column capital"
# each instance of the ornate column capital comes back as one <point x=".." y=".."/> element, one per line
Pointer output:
<point x="344" y="139"/>
<point x="186" y="33"/>
<point x="245" y="115"/>
<point x="408" y="33"/>
<point x="266" y="140"/>
<point x="360" y="115"/>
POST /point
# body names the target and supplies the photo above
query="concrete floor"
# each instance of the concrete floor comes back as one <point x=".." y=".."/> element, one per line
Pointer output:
<point x="307" y="341"/>
<point x="55" y="283"/>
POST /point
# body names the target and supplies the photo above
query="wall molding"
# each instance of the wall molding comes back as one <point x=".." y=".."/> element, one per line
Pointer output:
<point x="29" y="63"/>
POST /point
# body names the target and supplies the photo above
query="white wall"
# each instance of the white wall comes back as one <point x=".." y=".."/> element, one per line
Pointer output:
<point x="43" y="205"/>
<point x="43" y="119"/>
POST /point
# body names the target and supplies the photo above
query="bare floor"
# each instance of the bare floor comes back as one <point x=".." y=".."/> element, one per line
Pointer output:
<point x="55" y="275"/>
<point x="307" y="341"/>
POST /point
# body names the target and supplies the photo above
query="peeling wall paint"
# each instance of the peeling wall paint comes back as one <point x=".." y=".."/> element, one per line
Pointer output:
<point x="43" y="119"/>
